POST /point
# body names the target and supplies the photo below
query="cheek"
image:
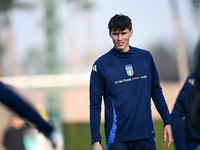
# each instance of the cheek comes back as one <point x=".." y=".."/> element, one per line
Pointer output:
<point x="127" y="38"/>
<point x="114" y="40"/>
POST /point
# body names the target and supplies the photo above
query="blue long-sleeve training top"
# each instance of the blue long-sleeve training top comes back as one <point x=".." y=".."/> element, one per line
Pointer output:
<point x="18" y="105"/>
<point x="186" y="137"/>
<point x="127" y="82"/>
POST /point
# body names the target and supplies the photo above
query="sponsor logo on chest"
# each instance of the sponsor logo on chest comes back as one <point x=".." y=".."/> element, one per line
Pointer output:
<point x="129" y="70"/>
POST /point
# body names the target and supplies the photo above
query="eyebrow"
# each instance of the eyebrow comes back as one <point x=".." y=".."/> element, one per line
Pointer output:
<point x="121" y="32"/>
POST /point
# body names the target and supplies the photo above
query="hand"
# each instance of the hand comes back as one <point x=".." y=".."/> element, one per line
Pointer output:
<point x="168" y="131"/>
<point x="56" y="139"/>
<point x="96" y="146"/>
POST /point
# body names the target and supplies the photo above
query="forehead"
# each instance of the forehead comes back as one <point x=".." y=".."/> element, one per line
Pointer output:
<point x="120" y="31"/>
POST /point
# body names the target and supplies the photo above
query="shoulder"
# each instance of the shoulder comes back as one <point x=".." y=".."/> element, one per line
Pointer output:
<point x="189" y="86"/>
<point x="102" y="60"/>
<point x="192" y="80"/>
<point x="143" y="53"/>
<point x="140" y="51"/>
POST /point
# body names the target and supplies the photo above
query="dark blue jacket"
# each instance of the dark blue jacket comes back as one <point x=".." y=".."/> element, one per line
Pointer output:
<point x="127" y="82"/>
<point x="18" y="105"/>
<point x="186" y="137"/>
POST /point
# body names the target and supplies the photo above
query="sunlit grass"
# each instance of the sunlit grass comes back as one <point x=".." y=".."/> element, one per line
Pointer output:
<point x="77" y="136"/>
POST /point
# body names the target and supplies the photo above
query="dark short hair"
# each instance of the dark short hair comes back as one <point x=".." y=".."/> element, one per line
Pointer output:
<point x="119" y="22"/>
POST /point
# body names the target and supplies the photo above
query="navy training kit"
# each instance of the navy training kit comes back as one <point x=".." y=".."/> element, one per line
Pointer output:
<point x="186" y="135"/>
<point x="127" y="81"/>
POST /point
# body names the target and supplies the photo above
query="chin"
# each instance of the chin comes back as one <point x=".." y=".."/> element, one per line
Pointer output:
<point x="120" y="48"/>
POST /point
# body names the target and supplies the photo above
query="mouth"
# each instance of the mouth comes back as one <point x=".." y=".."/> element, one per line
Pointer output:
<point x="120" y="44"/>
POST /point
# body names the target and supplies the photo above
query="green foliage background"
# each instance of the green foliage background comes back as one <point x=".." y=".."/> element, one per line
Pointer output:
<point x="77" y="136"/>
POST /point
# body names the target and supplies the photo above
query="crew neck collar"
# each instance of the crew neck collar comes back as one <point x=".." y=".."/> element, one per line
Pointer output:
<point x="131" y="51"/>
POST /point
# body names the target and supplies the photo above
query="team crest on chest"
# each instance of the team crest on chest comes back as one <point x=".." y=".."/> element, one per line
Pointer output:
<point x="129" y="70"/>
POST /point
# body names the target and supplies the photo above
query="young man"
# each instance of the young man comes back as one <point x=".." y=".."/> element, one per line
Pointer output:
<point x="19" y="106"/>
<point x="126" y="77"/>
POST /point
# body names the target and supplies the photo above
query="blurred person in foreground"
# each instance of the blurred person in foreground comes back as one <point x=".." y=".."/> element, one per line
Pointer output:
<point x="186" y="111"/>
<point x="14" y="134"/>
<point x="13" y="101"/>
<point x="127" y="79"/>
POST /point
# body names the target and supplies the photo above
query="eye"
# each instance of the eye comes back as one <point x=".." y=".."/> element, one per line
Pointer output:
<point x="114" y="33"/>
<point x="124" y="33"/>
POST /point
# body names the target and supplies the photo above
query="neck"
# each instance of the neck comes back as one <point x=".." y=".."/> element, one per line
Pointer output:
<point x="123" y="50"/>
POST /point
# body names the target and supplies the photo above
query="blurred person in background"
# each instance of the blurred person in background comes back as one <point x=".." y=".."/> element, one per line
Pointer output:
<point x="17" y="104"/>
<point x="14" y="134"/>
<point x="127" y="79"/>
<point x="34" y="140"/>
<point x="186" y="111"/>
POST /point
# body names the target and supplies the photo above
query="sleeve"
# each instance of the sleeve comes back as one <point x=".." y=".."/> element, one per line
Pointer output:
<point x="157" y="95"/>
<point x="18" y="105"/>
<point x="96" y="92"/>
<point x="179" y="111"/>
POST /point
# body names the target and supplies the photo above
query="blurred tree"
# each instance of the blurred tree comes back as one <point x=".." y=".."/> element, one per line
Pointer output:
<point x="51" y="33"/>
<point x="85" y="7"/>
<point x="181" y="55"/>
<point x="6" y="34"/>
<point x="196" y="13"/>
<point x="1" y="57"/>
<point x="82" y="4"/>
<point x="196" y="10"/>
<point x="52" y="63"/>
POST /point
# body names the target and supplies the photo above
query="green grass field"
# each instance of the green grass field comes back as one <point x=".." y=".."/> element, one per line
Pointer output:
<point x="77" y="136"/>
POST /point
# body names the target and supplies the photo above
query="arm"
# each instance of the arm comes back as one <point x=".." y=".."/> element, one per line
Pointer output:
<point x="96" y="146"/>
<point x="18" y="105"/>
<point x="168" y="131"/>
<point x="157" y="96"/>
<point x="161" y="104"/>
<point x="96" y="92"/>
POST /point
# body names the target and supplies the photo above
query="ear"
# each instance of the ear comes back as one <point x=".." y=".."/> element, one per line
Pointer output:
<point x="131" y="32"/>
<point x="110" y="34"/>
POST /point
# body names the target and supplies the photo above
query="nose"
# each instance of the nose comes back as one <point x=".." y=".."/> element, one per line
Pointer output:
<point x="119" y="37"/>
